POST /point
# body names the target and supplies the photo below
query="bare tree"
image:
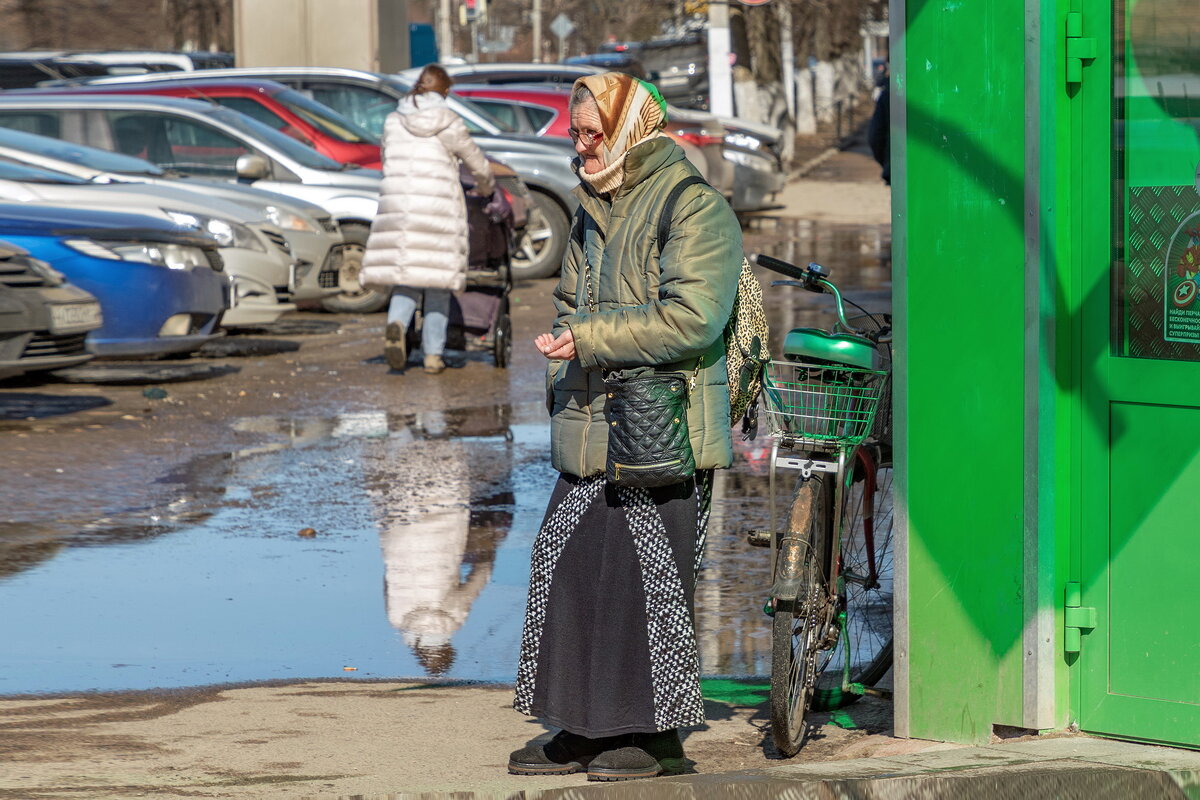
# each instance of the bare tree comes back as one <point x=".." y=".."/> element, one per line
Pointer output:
<point x="117" y="24"/>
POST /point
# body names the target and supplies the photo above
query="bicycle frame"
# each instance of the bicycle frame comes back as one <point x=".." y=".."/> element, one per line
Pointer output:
<point x="834" y="458"/>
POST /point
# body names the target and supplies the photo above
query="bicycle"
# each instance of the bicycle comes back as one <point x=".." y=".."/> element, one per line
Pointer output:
<point x="828" y="409"/>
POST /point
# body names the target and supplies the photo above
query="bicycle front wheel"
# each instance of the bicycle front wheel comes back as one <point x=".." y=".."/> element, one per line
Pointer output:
<point x="802" y="615"/>
<point x="867" y="570"/>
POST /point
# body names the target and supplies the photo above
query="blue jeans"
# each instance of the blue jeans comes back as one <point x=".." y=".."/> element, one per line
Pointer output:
<point x="435" y="314"/>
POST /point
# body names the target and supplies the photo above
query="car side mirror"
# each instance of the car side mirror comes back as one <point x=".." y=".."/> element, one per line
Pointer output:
<point x="253" y="167"/>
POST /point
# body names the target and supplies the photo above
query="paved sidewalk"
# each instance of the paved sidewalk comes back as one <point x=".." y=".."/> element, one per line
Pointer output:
<point x="1063" y="768"/>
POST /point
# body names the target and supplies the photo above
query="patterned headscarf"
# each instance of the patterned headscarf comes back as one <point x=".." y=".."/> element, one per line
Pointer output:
<point x="630" y="111"/>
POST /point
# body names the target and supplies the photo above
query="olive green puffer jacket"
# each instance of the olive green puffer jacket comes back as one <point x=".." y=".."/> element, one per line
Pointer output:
<point x="648" y="312"/>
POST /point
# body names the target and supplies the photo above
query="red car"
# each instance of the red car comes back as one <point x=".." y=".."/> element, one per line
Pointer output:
<point x="542" y="110"/>
<point x="286" y="110"/>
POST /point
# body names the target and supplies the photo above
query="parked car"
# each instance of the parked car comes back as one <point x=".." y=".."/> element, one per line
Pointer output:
<point x="367" y="98"/>
<point x="678" y="66"/>
<point x="258" y="268"/>
<point x="273" y="104"/>
<point x="544" y="110"/>
<point x="20" y="69"/>
<point x="206" y="141"/>
<point x="43" y="319"/>
<point x="612" y="62"/>
<point x="313" y="236"/>
<point x="496" y="74"/>
<point x="159" y="285"/>
<point x="737" y="160"/>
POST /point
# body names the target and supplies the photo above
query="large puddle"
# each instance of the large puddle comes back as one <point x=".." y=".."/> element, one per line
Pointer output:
<point x="365" y="545"/>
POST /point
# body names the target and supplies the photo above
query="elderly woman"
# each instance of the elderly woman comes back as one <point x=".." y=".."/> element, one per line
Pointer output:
<point x="609" y="651"/>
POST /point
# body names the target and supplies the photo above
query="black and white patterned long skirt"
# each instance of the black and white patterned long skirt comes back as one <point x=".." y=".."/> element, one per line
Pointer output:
<point x="609" y="644"/>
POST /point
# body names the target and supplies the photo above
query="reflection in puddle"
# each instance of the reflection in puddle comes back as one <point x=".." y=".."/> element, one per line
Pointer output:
<point x="420" y="506"/>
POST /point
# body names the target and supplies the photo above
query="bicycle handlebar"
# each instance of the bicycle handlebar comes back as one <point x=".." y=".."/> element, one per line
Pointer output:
<point x="782" y="267"/>
<point x="814" y="278"/>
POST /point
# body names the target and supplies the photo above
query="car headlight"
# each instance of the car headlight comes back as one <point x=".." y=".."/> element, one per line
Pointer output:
<point x="289" y="221"/>
<point x="49" y="274"/>
<point x="171" y="256"/>
<point x="756" y="163"/>
<point x="743" y="140"/>
<point x="227" y="232"/>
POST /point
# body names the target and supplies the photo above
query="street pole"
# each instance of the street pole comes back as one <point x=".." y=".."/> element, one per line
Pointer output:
<point x="475" y="41"/>
<point x="720" y="72"/>
<point x="537" y="31"/>
<point x="445" y="39"/>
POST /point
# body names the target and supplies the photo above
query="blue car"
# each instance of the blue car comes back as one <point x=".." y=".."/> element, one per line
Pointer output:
<point x="160" y="286"/>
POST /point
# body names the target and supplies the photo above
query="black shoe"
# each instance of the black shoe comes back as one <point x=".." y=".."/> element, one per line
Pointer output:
<point x="665" y="747"/>
<point x="562" y="755"/>
<point x="395" y="346"/>
<point x="645" y="755"/>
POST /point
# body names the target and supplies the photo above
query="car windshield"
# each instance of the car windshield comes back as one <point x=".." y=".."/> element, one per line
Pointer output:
<point x="100" y="160"/>
<point x="476" y="119"/>
<point x="324" y="118"/>
<point x="13" y="171"/>
<point x="305" y="156"/>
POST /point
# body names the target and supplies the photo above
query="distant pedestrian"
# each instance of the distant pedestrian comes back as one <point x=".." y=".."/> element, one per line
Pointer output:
<point x="879" y="134"/>
<point x="609" y="649"/>
<point x="418" y="242"/>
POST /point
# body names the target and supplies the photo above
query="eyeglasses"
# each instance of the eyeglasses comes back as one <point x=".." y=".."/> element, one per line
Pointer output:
<point x="589" y="137"/>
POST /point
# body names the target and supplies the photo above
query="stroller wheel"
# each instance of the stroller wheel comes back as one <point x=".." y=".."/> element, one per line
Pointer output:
<point x="502" y="343"/>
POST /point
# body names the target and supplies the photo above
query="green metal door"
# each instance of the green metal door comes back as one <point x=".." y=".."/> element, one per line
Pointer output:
<point x="1137" y="624"/>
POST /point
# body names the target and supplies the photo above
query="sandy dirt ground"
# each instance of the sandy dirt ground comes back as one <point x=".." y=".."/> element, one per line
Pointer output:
<point x="311" y="739"/>
<point x="332" y="740"/>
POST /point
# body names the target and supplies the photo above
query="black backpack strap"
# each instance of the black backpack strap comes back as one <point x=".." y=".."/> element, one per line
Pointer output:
<point x="668" y="209"/>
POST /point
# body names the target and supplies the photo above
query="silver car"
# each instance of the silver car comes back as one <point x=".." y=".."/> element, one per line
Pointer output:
<point x="251" y="254"/>
<point x="368" y="97"/>
<point x="311" y="232"/>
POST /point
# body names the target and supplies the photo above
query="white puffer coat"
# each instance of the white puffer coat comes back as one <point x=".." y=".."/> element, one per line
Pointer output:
<point x="419" y="237"/>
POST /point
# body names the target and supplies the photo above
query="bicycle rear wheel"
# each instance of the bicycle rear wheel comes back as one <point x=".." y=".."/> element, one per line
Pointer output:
<point x="867" y="570"/>
<point x="802" y="610"/>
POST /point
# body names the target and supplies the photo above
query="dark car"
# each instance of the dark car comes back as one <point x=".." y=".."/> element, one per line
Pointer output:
<point x="159" y="284"/>
<point x="613" y="62"/>
<point x="43" y="319"/>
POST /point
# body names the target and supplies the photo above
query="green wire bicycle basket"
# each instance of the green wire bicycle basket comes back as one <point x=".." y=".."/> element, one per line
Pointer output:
<point x="821" y="404"/>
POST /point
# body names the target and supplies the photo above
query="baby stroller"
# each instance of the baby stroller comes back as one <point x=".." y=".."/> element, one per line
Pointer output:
<point x="479" y="315"/>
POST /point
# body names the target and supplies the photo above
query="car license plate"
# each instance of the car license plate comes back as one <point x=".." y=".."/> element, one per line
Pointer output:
<point x="74" y="317"/>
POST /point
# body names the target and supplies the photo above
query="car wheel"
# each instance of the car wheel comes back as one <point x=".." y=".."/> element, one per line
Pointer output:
<point x="355" y="298"/>
<point x="539" y="252"/>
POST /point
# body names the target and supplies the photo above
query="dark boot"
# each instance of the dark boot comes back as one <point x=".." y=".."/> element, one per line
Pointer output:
<point x="665" y="747"/>
<point x="562" y="755"/>
<point x="644" y="755"/>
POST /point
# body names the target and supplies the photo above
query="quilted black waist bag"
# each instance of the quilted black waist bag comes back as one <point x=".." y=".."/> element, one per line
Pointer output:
<point x="648" y="442"/>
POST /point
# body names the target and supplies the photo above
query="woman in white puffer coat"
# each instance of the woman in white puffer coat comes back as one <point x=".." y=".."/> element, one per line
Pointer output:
<point x="418" y="243"/>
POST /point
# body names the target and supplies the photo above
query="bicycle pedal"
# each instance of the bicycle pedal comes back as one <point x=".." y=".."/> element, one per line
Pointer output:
<point x="759" y="538"/>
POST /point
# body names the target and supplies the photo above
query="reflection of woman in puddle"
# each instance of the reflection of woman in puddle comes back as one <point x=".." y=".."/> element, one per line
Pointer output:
<point x="429" y="545"/>
<point x="425" y="600"/>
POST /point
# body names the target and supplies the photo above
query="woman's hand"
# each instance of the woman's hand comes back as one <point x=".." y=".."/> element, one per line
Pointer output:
<point x="562" y="348"/>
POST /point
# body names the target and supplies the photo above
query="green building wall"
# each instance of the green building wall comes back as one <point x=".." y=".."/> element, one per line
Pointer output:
<point x="975" y="286"/>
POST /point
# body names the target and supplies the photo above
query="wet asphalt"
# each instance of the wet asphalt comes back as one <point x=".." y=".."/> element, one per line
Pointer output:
<point x="284" y="506"/>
